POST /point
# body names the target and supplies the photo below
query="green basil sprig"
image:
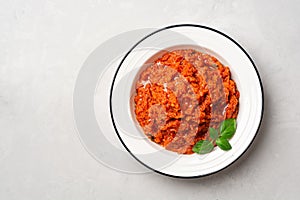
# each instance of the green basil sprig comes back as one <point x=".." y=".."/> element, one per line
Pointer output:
<point x="203" y="147"/>
<point x="227" y="128"/>
<point x="220" y="137"/>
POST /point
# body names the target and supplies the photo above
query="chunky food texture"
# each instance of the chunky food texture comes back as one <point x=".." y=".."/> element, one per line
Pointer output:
<point x="180" y="95"/>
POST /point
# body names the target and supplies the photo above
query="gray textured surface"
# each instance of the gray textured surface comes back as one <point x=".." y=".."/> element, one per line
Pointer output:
<point x="43" y="45"/>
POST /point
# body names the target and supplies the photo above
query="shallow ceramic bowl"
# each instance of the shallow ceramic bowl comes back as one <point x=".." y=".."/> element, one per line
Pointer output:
<point x="243" y="72"/>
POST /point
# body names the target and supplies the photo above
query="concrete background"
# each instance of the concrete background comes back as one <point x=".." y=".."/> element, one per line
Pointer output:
<point x="42" y="47"/>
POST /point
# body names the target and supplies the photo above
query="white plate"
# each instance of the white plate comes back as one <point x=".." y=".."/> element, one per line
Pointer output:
<point x="243" y="72"/>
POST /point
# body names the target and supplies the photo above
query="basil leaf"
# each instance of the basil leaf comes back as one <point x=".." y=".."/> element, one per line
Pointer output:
<point x="213" y="133"/>
<point x="228" y="128"/>
<point x="223" y="144"/>
<point x="203" y="147"/>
